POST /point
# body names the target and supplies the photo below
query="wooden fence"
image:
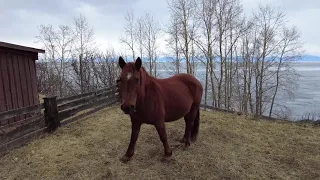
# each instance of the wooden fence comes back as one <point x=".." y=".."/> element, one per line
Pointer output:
<point x="212" y="108"/>
<point x="49" y="115"/>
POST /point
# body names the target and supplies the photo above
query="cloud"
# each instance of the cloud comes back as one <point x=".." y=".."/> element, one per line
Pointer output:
<point x="302" y="14"/>
<point x="295" y="5"/>
<point x="20" y="19"/>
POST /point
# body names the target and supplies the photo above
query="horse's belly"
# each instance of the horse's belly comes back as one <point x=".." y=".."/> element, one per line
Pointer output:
<point x="175" y="116"/>
<point x="178" y="101"/>
<point x="177" y="111"/>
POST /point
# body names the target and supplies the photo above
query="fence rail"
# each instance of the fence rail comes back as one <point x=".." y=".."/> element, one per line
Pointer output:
<point x="48" y="116"/>
<point x="71" y="107"/>
<point x="21" y="111"/>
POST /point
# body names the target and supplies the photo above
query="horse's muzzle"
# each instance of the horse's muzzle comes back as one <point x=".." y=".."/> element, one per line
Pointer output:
<point x="128" y="109"/>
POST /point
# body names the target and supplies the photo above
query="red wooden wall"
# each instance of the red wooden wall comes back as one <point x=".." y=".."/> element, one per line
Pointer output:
<point x="18" y="86"/>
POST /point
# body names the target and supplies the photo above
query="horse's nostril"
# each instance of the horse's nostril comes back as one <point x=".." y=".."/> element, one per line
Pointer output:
<point x="125" y="109"/>
<point x="128" y="109"/>
<point x="133" y="108"/>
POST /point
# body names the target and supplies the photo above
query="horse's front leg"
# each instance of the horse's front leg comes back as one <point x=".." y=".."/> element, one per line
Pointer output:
<point x="161" y="128"/>
<point x="135" y="129"/>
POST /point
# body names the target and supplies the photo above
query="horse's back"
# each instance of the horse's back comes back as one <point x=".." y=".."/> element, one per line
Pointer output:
<point x="180" y="93"/>
<point x="185" y="84"/>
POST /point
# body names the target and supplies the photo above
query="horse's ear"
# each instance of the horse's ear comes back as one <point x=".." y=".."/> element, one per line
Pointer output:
<point x="121" y="62"/>
<point x="138" y="63"/>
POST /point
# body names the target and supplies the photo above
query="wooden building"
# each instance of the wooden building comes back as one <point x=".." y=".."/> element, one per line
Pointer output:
<point x="18" y="81"/>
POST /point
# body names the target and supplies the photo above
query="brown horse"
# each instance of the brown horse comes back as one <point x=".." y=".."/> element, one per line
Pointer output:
<point x="153" y="101"/>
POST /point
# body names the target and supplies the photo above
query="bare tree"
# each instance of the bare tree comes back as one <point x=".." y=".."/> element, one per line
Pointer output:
<point x="184" y="11"/>
<point x="139" y="35"/>
<point x="105" y="68"/>
<point x="83" y="50"/>
<point x="267" y="23"/>
<point x="46" y="67"/>
<point x="228" y="14"/>
<point x="244" y="72"/>
<point x="64" y="40"/>
<point x="47" y="79"/>
<point x="151" y="34"/>
<point x="290" y="48"/>
<point x="205" y="43"/>
<point x="173" y="44"/>
<point x="236" y="28"/>
<point x="129" y="26"/>
<point x="72" y="64"/>
<point x="265" y="71"/>
<point x="58" y="45"/>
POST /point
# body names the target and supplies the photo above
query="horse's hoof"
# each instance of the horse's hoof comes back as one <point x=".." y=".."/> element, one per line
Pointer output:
<point x="186" y="146"/>
<point x="193" y="139"/>
<point x="125" y="159"/>
<point x="166" y="159"/>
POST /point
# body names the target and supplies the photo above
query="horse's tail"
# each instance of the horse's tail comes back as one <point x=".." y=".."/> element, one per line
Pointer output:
<point x="195" y="128"/>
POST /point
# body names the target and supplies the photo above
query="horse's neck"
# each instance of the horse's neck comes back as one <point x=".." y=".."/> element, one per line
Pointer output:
<point x="149" y="89"/>
<point x="147" y="78"/>
<point x="150" y="80"/>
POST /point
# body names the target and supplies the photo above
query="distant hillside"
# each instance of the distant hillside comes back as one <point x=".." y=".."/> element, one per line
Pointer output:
<point x="303" y="58"/>
<point x="310" y="58"/>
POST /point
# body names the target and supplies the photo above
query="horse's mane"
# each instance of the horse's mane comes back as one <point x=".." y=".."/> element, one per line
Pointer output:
<point x="150" y="89"/>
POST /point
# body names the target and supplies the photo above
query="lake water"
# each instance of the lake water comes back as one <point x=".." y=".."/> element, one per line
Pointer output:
<point x="306" y="96"/>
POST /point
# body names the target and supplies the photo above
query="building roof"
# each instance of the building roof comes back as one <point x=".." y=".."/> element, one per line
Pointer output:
<point x="19" y="47"/>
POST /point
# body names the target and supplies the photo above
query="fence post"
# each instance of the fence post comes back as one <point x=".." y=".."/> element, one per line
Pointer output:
<point x="51" y="113"/>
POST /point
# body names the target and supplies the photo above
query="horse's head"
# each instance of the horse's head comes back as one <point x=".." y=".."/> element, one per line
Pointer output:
<point x="129" y="84"/>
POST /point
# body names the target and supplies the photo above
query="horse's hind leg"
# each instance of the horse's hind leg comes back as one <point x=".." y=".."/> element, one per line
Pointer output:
<point x="195" y="128"/>
<point x="184" y="138"/>
<point x="189" y="120"/>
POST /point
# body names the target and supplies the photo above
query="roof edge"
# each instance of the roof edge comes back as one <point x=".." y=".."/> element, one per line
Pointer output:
<point x="20" y="47"/>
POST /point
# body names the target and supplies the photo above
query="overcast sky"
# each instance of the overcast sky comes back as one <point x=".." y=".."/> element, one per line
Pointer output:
<point x="20" y="20"/>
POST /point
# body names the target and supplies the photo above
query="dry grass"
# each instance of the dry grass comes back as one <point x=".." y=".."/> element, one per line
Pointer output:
<point x="228" y="147"/>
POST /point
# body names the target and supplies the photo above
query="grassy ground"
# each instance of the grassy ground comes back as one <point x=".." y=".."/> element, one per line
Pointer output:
<point x="228" y="147"/>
